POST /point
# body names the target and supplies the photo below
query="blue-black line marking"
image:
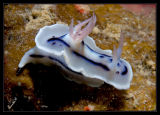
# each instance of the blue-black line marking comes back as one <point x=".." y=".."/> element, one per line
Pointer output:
<point x="61" y="37"/>
<point x="118" y="64"/>
<point x="110" y="60"/>
<point x="95" y="51"/>
<point x="57" y="39"/>
<point x="36" y="56"/>
<point x="95" y="63"/>
<point x="125" y="71"/>
<point x="101" y="56"/>
<point x="64" y="65"/>
<point x="54" y="59"/>
<point x="54" y="43"/>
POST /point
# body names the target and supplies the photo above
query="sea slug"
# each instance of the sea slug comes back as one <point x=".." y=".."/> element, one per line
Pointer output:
<point x="77" y="54"/>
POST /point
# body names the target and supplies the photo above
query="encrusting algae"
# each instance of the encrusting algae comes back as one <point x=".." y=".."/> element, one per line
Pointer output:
<point x="42" y="89"/>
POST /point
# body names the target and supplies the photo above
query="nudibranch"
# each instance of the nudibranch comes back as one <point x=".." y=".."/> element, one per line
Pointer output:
<point x="77" y="54"/>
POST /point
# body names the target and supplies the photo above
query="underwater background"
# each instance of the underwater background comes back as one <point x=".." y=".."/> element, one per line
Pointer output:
<point x="39" y="88"/>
